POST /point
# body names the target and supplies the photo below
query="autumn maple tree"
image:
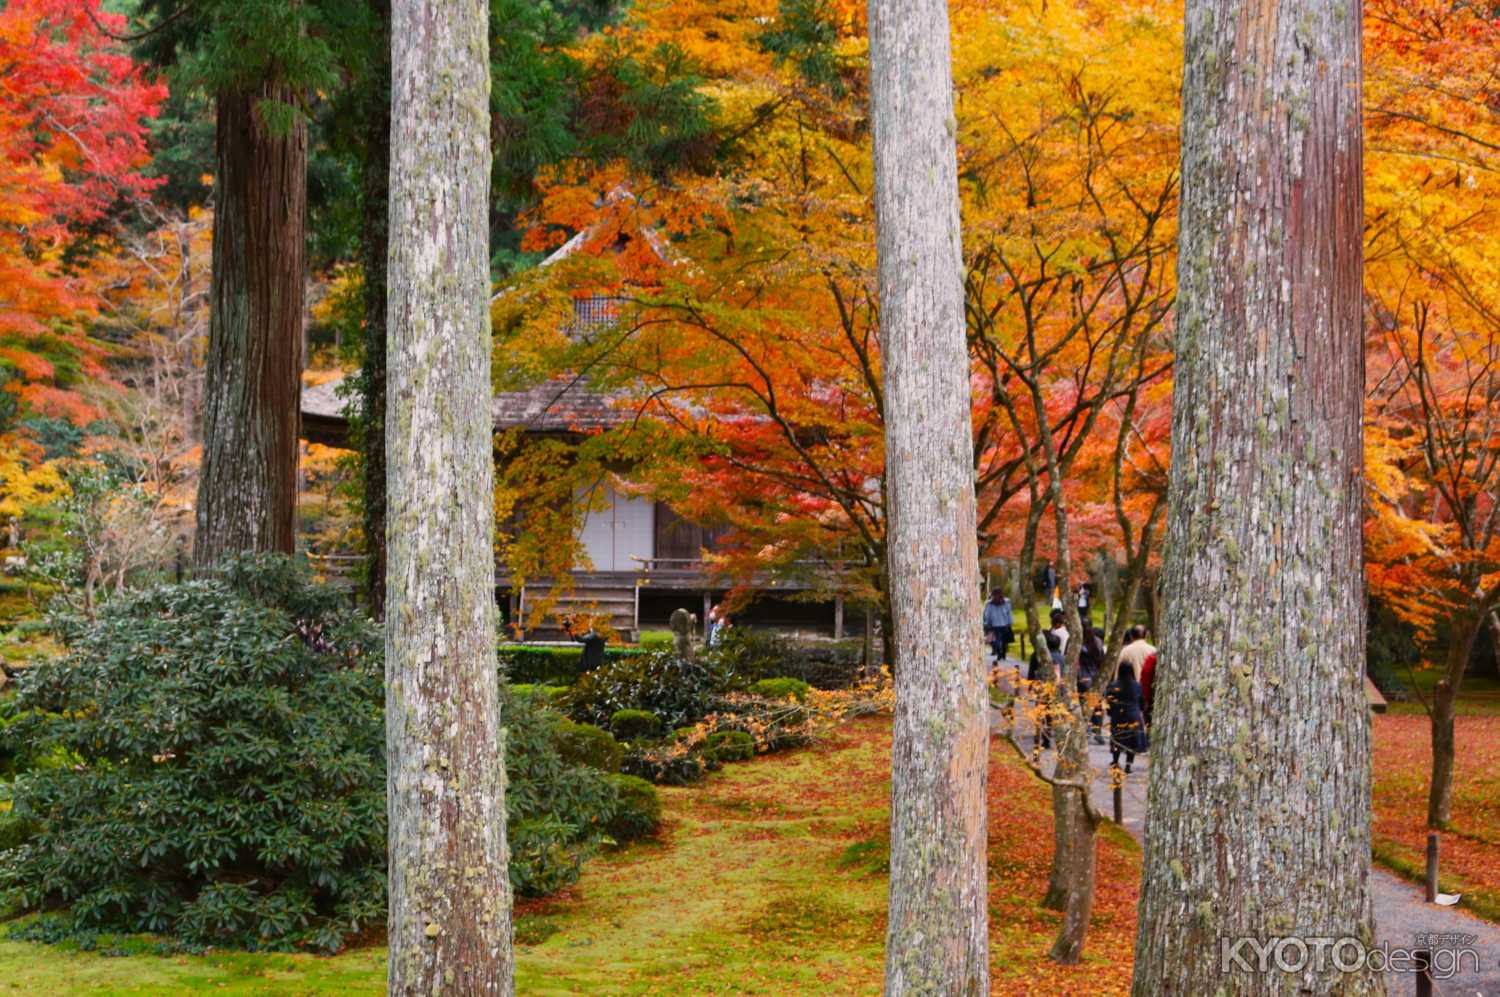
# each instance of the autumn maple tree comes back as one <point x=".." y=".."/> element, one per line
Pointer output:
<point x="1433" y="318"/>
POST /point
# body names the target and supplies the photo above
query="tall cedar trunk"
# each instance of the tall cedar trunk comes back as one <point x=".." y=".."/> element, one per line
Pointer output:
<point x="247" y="489"/>
<point x="1465" y="630"/>
<point x="450" y="896"/>
<point x="1259" y="804"/>
<point x="375" y="236"/>
<point x="938" y="937"/>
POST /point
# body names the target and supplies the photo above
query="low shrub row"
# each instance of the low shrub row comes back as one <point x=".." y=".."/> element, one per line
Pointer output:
<point x="548" y="665"/>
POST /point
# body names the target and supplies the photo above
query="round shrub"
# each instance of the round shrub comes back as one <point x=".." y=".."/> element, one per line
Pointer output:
<point x="634" y="725"/>
<point x="731" y="745"/>
<point x="585" y="744"/>
<point x="638" y="810"/>
<point x="781" y="688"/>
<point x="228" y="776"/>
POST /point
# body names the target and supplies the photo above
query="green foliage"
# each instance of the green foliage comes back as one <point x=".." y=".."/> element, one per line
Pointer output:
<point x="530" y="663"/>
<point x="586" y="744"/>
<point x="805" y="35"/>
<point x="677" y="690"/>
<point x="731" y="745"/>
<point x="228" y="785"/>
<point x="558" y="809"/>
<point x="752" y="655"/>
<point x="781" y="688"/>
<point x="638" y="812"/>
<point x="634" y="725"/>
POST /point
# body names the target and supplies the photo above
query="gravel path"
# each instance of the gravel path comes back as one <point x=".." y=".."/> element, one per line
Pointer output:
<point x="1401" y="911"/>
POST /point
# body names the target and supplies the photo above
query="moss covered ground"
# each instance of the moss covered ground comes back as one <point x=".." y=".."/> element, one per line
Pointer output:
<point x="769" y="878"/>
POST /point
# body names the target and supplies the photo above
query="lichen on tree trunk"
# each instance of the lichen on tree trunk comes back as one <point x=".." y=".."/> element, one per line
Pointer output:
<point x="247" y="486"/>
<point x="1259" y="803"/>
<point x="937" y="938"/>
<point x="450" y="897"/>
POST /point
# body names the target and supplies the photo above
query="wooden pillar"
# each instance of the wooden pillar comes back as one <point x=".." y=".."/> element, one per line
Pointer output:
<point x="708" y="605"/>
<point x="838" y="617"/>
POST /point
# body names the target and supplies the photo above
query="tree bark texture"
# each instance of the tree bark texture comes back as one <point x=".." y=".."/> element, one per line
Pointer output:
<point x="375" y="247"/>
<point x="247" y="488"/>
<point x="450" y="895"/>
<point x="937" y="939"/>
<point x="1464" y="630"/>
<point x="1259" y="803"/>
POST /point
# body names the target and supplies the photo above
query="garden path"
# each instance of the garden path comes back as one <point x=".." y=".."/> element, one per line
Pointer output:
<point x="1401" y="911"/>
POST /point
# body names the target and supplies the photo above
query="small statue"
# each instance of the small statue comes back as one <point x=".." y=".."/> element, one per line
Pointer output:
<point x="683" y="625"/>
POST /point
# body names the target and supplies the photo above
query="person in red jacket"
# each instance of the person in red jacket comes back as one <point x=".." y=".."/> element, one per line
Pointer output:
<point x="1148" y="685"/>
<point x="1140" y="654"/>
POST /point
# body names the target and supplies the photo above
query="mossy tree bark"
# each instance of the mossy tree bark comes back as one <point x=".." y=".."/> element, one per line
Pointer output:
<point x="247" y="488"/>
<point x="375" y="247"/>
<point x="450" y="896"/>
<point x="1259" y="804"/>
<point x="937" y="939"/>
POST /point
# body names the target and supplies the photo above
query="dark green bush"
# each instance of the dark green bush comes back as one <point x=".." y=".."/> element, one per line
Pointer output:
<point x="634" y="725"/>
<point x="668" y="765"/>
<point x="731" y="745"/>
<point x="530" y="663"/>
<point x="1390" y="650"/>
<point x="228" y="784"/>
<point x="585" y="744"/>
<point x="752" y="655"/>
<point x="558" y="809"/>
<point x="781" y="688"/>
<point x="677" y="690"/>
<point x="638" y="813"/>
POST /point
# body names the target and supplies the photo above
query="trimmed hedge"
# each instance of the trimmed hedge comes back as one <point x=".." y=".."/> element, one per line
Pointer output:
<point x="585" y="744"/>
<point x="781" y="688"/>
<point x="638" y="813"/>
<point x="530" y="664"/>
<point x="731" y="745"/>
<point x="634" y="725"/>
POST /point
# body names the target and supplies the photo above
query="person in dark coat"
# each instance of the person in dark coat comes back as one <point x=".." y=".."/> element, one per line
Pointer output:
<point x="593" y="644"/>
<point x="1127" y="720"/>
<point x="1090" y="665"/>
<point x="1046" y="668"/>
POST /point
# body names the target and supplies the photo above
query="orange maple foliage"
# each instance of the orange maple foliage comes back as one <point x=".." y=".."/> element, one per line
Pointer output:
<point x="73" y="115"/>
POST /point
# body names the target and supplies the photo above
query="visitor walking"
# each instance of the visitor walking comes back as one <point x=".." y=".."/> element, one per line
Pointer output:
<point x="1060" y="628"/>
<point x="1127" y="721"/>
<point x="1090" y="668"/>
<point x="1044" y="675"/>
<point x="1140" y="654"/>
<point x="999" y="624"/>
